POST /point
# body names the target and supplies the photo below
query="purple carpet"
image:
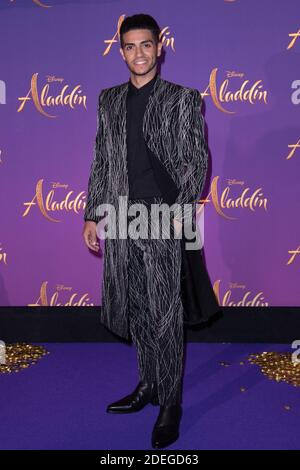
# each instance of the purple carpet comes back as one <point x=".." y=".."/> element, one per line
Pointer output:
<point x="60" y="402"/>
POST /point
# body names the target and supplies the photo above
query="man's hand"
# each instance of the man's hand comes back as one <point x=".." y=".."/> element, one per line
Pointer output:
<point x="90" y="236"/>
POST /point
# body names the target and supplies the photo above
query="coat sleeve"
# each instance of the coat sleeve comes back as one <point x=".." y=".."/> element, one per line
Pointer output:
<point x="98" y="170"/>
<point x="194" y="155"/>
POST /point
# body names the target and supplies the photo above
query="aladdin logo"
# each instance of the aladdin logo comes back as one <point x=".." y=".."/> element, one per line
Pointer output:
<point x="257" y="300"/>
<point x="246" y="92"/>
<point x="54" y="300"/>
<point x="163" y="37"/>
<point x="293" y="253"/>
<point x="247" y="200"/>
<point x="37" y="2"/>
<point x="293" y="147"/>
<point x="295" y="36"/>
<point x="69" y="203"/>
<point x="71" y="99"/>
<point x="2" y="92"/>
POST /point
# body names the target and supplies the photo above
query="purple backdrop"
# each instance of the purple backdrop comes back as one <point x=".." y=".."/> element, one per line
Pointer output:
<point x="242" y="55"/>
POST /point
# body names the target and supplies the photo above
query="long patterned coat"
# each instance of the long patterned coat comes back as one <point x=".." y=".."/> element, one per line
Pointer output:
<point x="173" y="128"/>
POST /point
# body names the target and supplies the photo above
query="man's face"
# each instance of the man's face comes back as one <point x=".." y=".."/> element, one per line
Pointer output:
<point x="140" y="51"/>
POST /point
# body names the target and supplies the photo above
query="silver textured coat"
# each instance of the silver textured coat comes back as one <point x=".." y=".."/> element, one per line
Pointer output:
<point x="173" y="128"/>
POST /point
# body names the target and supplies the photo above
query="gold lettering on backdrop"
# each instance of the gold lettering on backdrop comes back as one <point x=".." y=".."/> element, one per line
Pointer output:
<point x="37" y="2"/>
<point x="293" y="147"/>
<point x="116" y="37"/>
<point x="245" y="201"/>
<point x="2" y="256"/>
<point x="293" y="253"/>
<point x="43" y="299"/>
<point x="62" y="99"/>
<point x="66" y="204"/>
<point x="250" y="95"/>
<point x="110" y="42"/>
<point x="166" y="41"/>
<point x="256" y="301"/>
<point x="295" y="36"/>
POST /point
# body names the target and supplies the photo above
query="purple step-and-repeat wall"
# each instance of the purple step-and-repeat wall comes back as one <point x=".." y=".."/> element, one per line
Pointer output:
<point x="244" y="57"/>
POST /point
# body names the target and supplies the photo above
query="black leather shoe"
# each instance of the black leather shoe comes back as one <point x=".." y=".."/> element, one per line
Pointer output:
<point x="143" y="394"/>
<point x="166" y="427"/>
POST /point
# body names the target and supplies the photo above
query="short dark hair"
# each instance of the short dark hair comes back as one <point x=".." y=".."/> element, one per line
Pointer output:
<point x="139" y="21"/>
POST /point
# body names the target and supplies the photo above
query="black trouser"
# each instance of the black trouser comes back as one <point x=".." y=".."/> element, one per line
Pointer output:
<point x="156" y="312"/>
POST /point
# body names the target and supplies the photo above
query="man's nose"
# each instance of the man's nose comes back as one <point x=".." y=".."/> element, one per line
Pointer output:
<point x="139" y="52"/>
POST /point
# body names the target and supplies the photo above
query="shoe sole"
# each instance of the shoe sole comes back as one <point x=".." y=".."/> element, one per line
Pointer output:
<point x="123" y="411"/>
<point x="153" y="401"/>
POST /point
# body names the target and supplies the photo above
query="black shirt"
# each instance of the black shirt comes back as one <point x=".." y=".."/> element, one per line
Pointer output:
<point x="141" y="177"/>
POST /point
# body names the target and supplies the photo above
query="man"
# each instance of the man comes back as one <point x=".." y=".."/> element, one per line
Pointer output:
<point x="150" y="148"/>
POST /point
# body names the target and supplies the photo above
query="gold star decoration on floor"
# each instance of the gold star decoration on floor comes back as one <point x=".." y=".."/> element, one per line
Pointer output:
<point x="278" y="366"/>
<point x="19" y="356"/>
